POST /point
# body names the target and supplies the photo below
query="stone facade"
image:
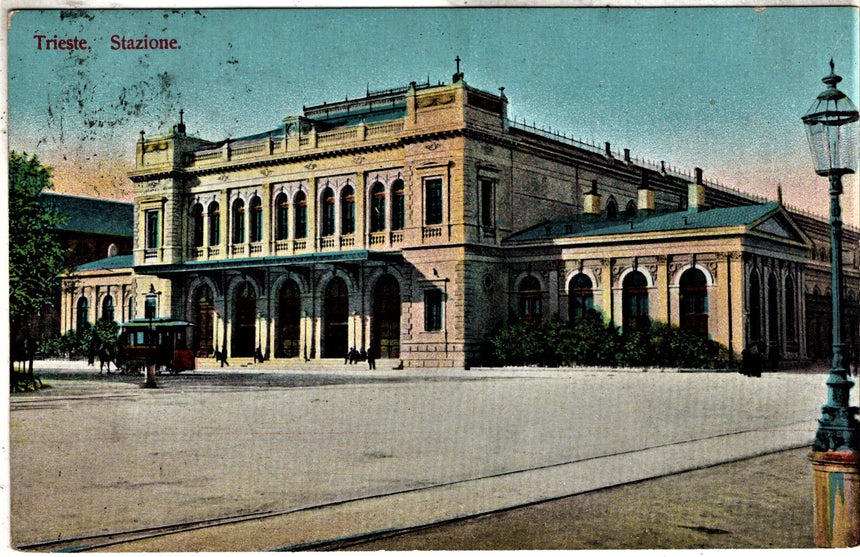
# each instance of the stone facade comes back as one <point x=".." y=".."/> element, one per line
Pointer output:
<point x="415" y="221"/>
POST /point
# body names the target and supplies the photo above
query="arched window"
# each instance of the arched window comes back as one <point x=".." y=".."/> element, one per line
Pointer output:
<point x="256" y="208"/>
<point x="282" y="213"/>
<point x="377" y="207"/>
<point x="634" y="298"/>
<point x="301" y="216"/>
<point x="398" y="205"/>
<point x="214" y="224"/>
<point x="108" y="308"/>
<point x="611" y="208"/>
<point x="238" y="222"/>
<point x="530" y="299"/>
<point x="197" y="225"/>
<point x="328" y="212"/>
<point x="790" y="312"/>
<point x="630" y="210"/>
<point x="580" y="297"/>
<point x="754" y="306"/>
<point x="694" y="301"/>
<point x="772" y="312"/>
<point x="347" y="210"/>
<point x="83" y="317"/>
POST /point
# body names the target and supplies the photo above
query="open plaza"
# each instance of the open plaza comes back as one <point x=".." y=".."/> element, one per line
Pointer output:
<point x="331" y="451"/>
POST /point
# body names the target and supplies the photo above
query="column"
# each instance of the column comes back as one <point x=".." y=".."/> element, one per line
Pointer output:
<point x="606" y="286"/>
<point x="720" y="303"/>
<point x="662" y="290"/>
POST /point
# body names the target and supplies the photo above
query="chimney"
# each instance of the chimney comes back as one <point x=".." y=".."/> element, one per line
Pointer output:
<point x="608" y="150"/>
<point x="647" y="196"/>
<point x="696" y="194"/>
<point x="627" y="156"/>
<point x="591" y="203"/>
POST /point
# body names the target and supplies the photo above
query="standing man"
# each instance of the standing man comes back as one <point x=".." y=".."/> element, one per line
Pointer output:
<point x="371" y="357"/>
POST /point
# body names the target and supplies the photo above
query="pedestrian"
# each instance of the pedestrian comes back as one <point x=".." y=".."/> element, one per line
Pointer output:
<point x="222" y="356"/>
<point x="757" y="362"/>
<point x="91" y="352"/>
<point x="348" y="358"/>
<point x="371" y="358"/>
<point x="258" y="355"/>
<point x="362" y="355"/>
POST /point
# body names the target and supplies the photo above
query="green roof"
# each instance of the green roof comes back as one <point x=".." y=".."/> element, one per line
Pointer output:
<point x="578" y="226"/>
<point x="115" y="262"/>
<point x="91" y="215"/>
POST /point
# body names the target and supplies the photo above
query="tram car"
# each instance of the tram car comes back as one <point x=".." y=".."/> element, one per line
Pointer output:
<point x="163" y="340"/>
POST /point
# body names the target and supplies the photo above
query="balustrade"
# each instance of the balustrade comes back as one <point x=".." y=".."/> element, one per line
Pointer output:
<point x="431" y="232"/>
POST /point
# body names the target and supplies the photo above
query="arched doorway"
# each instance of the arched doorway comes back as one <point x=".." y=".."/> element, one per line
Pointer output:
<point x="289" y="321"/>
<point x="204" y="314"/>
<point x="694" y="301"/>
<point x="773" y="308"/>
<point x="385" y="339"/>
<point x="635" y="301"/>
<point x="244" y="322"/>
<point x="580" y="297"/>
<point x="108" y="308"/>
<point x="335" y="319"/>
<point x="754" y="306"/>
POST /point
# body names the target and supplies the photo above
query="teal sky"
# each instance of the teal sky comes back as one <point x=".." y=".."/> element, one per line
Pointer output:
<point x="719" y="88"/>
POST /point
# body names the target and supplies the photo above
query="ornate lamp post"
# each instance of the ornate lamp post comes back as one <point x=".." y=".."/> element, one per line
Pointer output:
<point x="831" y="126"/>
<point x="151" y="299"/>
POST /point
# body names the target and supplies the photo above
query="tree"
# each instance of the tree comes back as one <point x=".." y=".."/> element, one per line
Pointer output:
<point x="36" y="254"/>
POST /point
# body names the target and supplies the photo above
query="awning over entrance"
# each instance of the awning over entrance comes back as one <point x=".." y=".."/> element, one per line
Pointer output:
<point x="354" y="256"/>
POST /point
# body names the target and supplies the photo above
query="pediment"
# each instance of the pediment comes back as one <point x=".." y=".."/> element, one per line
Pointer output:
<point x="778" y="225"/>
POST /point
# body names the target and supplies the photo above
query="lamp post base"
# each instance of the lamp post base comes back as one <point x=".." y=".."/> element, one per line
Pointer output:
<point x="150" y="383"/>
<point x="837" y="498"/>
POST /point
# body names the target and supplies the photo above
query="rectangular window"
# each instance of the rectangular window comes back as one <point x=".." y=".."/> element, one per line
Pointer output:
<point x="150" y="308"/>
<point x="151" y="220"/>
<point x="433" y="201"/>
<point x="433" y="299"/>
<point x="488" y="189"/>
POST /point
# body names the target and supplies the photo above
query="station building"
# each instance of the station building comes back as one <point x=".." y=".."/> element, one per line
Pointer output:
<point x="415" y="221"/>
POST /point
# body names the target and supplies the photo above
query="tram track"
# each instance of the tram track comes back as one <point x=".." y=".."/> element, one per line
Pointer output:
<point x="105" y="540"/>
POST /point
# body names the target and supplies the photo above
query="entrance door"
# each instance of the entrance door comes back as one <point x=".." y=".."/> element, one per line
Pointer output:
<point x="336" y="316"/>
<point x="289" y="316"/>
<point x="244" y="322"/>
<point x="386" y="318"/>
<point x="205" y="313"/>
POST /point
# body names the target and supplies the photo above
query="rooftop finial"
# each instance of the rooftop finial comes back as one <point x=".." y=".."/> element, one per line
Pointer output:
<point x="779" y="192"/>
<point x="457" y="59"/>
<point x="457" y="76"/>
<point x="180" y="128"/>
<point x="832" y="67"/>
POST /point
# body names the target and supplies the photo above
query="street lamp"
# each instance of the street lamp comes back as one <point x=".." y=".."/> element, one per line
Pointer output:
<point x="151" y="304"/>
<point x="831" y="127"/>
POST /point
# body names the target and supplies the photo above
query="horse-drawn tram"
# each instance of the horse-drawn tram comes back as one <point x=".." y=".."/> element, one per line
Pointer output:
<point x="162" y="340"/>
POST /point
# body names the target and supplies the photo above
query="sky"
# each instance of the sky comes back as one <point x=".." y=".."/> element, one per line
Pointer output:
<point x="718" y="88"/>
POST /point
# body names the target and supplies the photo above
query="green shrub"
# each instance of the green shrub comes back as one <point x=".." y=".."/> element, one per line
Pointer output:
<point x="591" y="341"/>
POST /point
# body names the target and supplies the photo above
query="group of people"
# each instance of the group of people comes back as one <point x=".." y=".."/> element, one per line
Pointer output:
<point x="354" y="356"/>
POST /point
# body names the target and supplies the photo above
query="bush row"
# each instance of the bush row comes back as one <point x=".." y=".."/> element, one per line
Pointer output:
<point x="82" y="343"/>
<point x="591" y="341"/>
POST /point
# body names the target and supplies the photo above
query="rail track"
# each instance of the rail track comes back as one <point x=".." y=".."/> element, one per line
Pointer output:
<point x="109" y="539"/>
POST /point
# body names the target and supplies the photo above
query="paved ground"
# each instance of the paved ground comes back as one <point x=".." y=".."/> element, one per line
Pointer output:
<point x="96" y="455"/>
<point x="763" y="502"/>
